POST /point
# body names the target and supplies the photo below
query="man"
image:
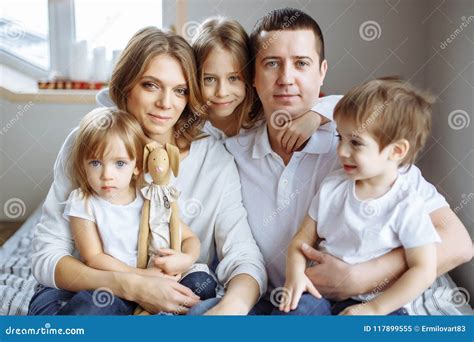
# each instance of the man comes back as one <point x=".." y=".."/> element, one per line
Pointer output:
<point x="277" y="187"/>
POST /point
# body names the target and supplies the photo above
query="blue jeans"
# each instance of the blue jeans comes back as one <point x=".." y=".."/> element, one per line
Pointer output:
<point x="263" y="307"/>
<point x="50" y="301"/>
<point x="201" y="283"/>
<point x="308" y="306"/>
<point x="312" y="306"/>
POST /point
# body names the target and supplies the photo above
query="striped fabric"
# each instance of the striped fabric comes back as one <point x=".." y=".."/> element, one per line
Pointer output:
<point x="17" y="282"/>
<point x="16" y="279"/>
<point x="442" y="298"/>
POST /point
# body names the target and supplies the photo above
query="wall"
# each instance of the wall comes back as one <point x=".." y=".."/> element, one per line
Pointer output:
<point x="449" y="159"/>
<point x="31" y="134"/>
<point x="351" y="59"/>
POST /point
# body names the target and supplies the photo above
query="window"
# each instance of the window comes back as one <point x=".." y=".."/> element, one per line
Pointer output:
<point x="24" y="30"/>
<point x="111" y="23"/>
<point x="37" y="36"/>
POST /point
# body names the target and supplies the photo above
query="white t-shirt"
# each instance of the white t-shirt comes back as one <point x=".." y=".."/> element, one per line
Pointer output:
<point x="357" y="230"/>
<point x="118" y="225"/>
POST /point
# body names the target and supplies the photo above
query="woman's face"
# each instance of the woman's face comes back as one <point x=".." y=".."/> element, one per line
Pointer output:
<point x="222" y="84"/>
<point x="159" y="97"/>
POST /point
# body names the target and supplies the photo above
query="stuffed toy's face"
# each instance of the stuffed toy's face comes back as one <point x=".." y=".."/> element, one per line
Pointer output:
<point x="159" y="166"/>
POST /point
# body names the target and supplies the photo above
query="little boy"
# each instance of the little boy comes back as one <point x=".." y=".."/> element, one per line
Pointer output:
<point x="369" y="208"/>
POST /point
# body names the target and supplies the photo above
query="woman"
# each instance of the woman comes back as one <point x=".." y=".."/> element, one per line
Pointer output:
<point x="154" y="81"/>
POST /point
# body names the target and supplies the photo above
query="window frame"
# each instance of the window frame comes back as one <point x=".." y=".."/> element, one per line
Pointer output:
<point x="60" y="14"/>
<point x="62" y="32"/>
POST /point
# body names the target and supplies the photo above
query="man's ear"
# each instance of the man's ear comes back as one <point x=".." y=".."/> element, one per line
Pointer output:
<point x="322" y="70"/>
<point x="399" y="150"/>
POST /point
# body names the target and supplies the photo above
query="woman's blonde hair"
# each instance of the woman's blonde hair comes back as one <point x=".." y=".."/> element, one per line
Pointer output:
<point x="229" y="35"/>
<point x="145" y="45"/>
<point x="92" y="140"/>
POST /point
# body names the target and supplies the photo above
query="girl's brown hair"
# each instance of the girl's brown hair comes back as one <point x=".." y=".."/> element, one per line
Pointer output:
<point x="145" y="45"/>
<point x="229" y="35"/>
<point x="92" y="140"/>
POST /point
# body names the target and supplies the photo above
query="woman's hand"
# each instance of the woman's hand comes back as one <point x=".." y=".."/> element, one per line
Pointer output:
<point x="297" y="283"/>
<point x="332" y="277"/>
<point x="172" y="262"/>
<point x="156" y="294"/>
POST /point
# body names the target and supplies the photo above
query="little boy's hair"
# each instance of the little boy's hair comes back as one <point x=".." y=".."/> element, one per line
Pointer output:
<point x="389" y="109"/>
<point x="92" y="140"/>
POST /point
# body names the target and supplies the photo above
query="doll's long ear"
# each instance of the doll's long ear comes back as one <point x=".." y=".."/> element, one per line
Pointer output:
<point x="173" y="154"/>
<point x="146" y="152"/>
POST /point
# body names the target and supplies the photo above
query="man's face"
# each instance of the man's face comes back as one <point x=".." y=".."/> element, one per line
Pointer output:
<point x="288" y="76"/>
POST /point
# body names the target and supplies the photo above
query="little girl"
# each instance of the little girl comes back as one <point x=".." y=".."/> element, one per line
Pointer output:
<point x="369" y="207"/>
<point x="104" y="211"/>
<point x="225" y="70"/>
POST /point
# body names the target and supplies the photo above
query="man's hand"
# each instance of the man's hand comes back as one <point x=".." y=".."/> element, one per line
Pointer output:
<point x="331" y="276"/>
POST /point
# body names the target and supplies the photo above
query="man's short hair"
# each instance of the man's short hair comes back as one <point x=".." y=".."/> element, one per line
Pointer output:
<point x="284" y="19"/>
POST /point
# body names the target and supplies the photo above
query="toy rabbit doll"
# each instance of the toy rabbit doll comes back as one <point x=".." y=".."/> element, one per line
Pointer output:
<point x="162" y="229"/>
<point x="160" y="214"/>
